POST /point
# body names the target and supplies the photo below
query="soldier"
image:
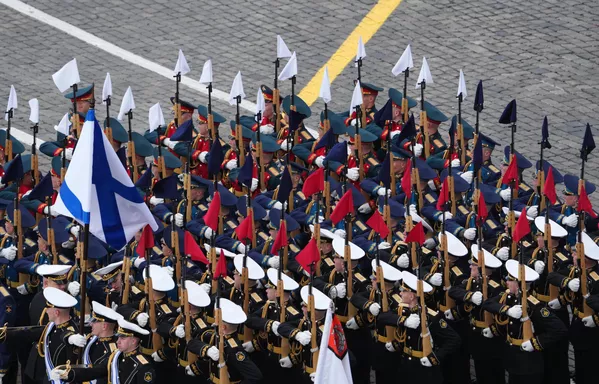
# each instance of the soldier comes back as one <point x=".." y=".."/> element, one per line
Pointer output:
<point x="303" y="133"/>
<point x="524" y="190"/>
<point x="369" y="94"/>
<point x="17" y="148"/>
<point x="62" y="142"/>
<point x="187" y="109"/>
<point x="8" y="363"/>
<point x="437" y="145"/>
<point x="490" y="173"/>
<point x="107" y="285"/>
<point x="83" y="97"/>
<point x="255" y="274"/>
<point x="119" y="133"/>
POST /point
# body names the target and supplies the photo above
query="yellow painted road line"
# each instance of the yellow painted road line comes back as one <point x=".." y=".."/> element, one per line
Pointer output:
<point x="346" y="53"/>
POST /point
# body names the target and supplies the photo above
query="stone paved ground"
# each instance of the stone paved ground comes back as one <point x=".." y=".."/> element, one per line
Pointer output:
<point x="544" y="53"/>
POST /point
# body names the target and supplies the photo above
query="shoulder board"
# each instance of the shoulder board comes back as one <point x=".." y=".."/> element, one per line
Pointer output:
<point x="524" y="187"/>
<point x="373" y="161"/>
<point x="229" y="280"/>
<point x="256" y="297"/>
<point x="594" y="276"/>
<point x="463" y="209"/>
<point x="263" y="235"/>
<point x="533" y="300"/>
<point x="431" y="312"/>
<point x="231" y="341"/>
<point x="429" y="198"/>
<point x="200" y="323"/>
<point x="438" y="143"/>
<point x="294" y="248"/>
<point x="4" y="292"/>
<point x="329" y="262"/>
<point x="292" y="310"/>
<point x="29" y="243"/>
<point x="112" y="347"/>
<point x="95" y="277"/>
<point x="202" y="207"/>
<point x="231" y="224"/>
<point x="561" y="256"/>
<point x="360" y="225"/>
<point x="493" y="284"/>
<point x="306" y="135"/>
<point x="157" y="250"/>
<point x="301" y="195"/>
<point x="165" y="308"/>
<point x="141" y="359"/>
<point x="526" y="244"/>
<point x="491" y="224"/>
<point x="396" y="297"/>
<point x="135" y="290"/>
<point x="456" y="271"/>
<point x="493" y="168"/>
<point x="359" y="277"/>
<point x="273" y="171"/>
<point x="63" y="259"/>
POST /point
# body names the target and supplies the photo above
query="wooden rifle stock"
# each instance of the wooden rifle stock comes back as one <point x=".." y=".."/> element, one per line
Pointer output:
<point x="449" y="302"/>
<point x="191" y="357"/>
<point x="285" y="348"/>
<point x="125" y="279"/>
<point x="247" y="331"/>
<point x="427" y="347"/>
<point x="527" y="333"/>
<point x="313" y="330"/>
<point x="553" y="290"/>
<point x="380" y="279"/>
<point x="351" y="309"/>
<point x="276" y="104"/>
<point x="223" y="374"/>
<point x="425" y="139"/>
<point x="156" y="339"/>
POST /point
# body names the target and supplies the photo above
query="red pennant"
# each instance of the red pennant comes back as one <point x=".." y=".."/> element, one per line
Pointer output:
<point x="549" y="187"/>
<point x="193" y="249"/>
<point x="584" y="204"/>
<point x="146" y="241"/>
<point x="522" y="227"/>
<point x="406" y="180"/>
<point x="510" y="177"/>
<point x="482" y="213"/>
<point x="377" y="223"/>
<point x="416" y="235"/>
<point x="244" y="230"/>
<point x="314" y="183"/>
<point x="344" y="206"/>
<point x="211" y="217"/>
<point x="309" y="255"/>
<point x="443" y="195"/>
<point x="221" y="266"/>
<point x="281" y="239"/>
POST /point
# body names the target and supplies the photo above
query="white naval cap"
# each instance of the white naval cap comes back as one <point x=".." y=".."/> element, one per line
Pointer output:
<point x="59" y="299"/>
<point x="390" y="273"/>
<point x="454" y="246"/>
<point x="591" y="249"/>
<point x="410" y="282"/>
<point x="161" y="281"/>
<point x="321" y="301"/>
<point x="255" y="271"/>
<point x="231" y="312"/>
<point x="513" y="268"/>
<point x="288" y="283"/>
<point x="103" y="313"/>
<point x="128" y="329"/>
<point x="339" y="246"/>
<point x="490" y="260"/>
<point x="556" y="229"/>
<point x="196" y="295"/>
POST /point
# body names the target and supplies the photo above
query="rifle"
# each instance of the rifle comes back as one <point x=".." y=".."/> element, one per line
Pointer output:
<point x="131" y="150"/>
<point x="527" y="332"/>
<point x="83" y="279"/>
<point x="63" y="168"/>
<point x="161" y="164"/>
<point x="584" y="288"/>
<point x="424" y="122"/>
<point x="177" y="106"/>
<point x="23" y="277"/>
<point x="191" y="357"/>
<point x="358" y="143"/>
<point x="313" y="328"/>
<point x="488" y="317"/>
<point x="211" y="128"/>
<point x="553" y="291"/>
<point x="34" y="158"/>
<point x="8" y="141"/>
<point x="188" y="198"/>
<point x="387" y="208"/>
<point x="450" y="182"/>
<point x="285" y="347"/>
<point x="126" y="272"/>
<point x="351" y="309"/>
<point x="276" y="104"/>
<point x="404" y="100"/>
<point x="260" y="163"/>
<point x="247" y="331"/>
<point x="223" y="371"/>
<point x="75" y="120"/>
<point x="156" y="339"/>
<point x="108" y="129"/>
<point x="449" y="302"/>
<point x="461" y="143"/>
<point x="50" y="232"/>
<point x="380" y="279"/>
<point x="239" y="134"/>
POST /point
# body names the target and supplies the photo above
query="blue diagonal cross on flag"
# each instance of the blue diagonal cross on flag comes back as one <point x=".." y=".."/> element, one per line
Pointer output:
<point x="97" y="190"/>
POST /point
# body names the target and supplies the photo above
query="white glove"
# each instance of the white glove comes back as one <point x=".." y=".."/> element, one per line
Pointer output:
<point x="448" y="315"/>
<point x="589" y="322"/>
<point x="254" y="184"/>
<point x="231" y="164"/>
<point x="375" y="309"/>
<point x="394" y="133"/>
<point x="425" y="362"/>
<point x="533" y="211"/>
<point x="9" y="253"/>
<point x="539" y="266"/>
<point x="403" y="261"/>
<point x="341" y="233"/>
<point x="319" y="161"/>
<point x="142" y="319"/>
<point x="179" y="220"/>
<point x="188" y="371"/>
<point x="248" y="346"/>
<point x="274" y="262"/>
<point x="138" y="262"/>
<point x="488" y="333"/>
<point x="431" y="185"/>
<point x="527" y="346"/>
<point x="267" y="129"/>
<point x="68" y="244"/>
<point x="455" y="163"/>
<point x="515" y="312"/>
<point x="413" y="321"/>
<point x="341" y="290"/>
<point x="22" y="289"/>
<point x="241" y="248"/>
<point x="213" y="353"/>
<point x="55" y="374"/>
<point x="156" y="358"/>
<point x="208" y="233"/>
<point x="554" y="304"/>
<point x="506" y="194"/>
<point x="430" y="243"/>
<point x="351" y="324"/>
<point x="74" y="288"/>
<point x="304" y="337"/>
<point x="206" y="287"/>
<point x="470" y="234"/>
<point x="286" y="362"/>
<point x="313" y="376"/>
<point x="75" y="229"/>
<point x="383" y="191"/>
<point x="503" y="253"/>
<point x="68" y="153"/>
<point x="275" y="328"/>
<point x="384" y="245"/>
<point x="418" y="149"/>
<point x="571" y="221"/>
<point x="277" y="205"/>
<point x="477" y="298"/>
<point x="77" y="340"/>
<point x="202" y="156"/>
<point x="353" y="174"/>
<point x="169" y="270"/>
<point x="467" y="176"/>
<point x="389" y="347"/>
<point x="574" y="284"/>
<point x="436" y="279"/>
<point x="154" y="201"/>
<point x="284" y="145"/>
<point x="171" y="144"/>
<point x="364" y="208"/>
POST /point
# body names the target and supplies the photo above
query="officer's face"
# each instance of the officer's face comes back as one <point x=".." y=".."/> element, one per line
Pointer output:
<point x="271" y="293"/>
<point x="486" y="153"/>
<point x="9" y="227"/>
<point x="570" y="200"/>
<point x="327" y="247"/>
<point x="408" y="297"/>
<point x="117" y="283"/>
<point x="56" y="182"/>
<point x="513" y="286"/>
<point x="203" y="128"/>
<point x="369" y="101"/>
<point x="268" y="110"/>
<point x="396" y="110"/>
<point x="127" y="344"/>
<point x="83" y="106"/>
<point x="237" y="279"/>
<point x="42" y="244"/>
<point x="366" y="148"/>
<point x="339" y="264"/>
<point x="432" y="127"/>
<point x="399" y="166"/>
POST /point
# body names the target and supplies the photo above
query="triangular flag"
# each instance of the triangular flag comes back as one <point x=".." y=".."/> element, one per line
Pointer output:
<point x="64" y="126"/>
<point x="281" y="239"/>
<point x="128" y="104"/>
<point x="462" y="86"/>
<point x="221" y="266"/>
<point x="479" y="99"/>
<point x="361" y="52"/>
<point x="314" y="183"/>
<point x="215" y="158"/>
<point x="13" y="170"/>
<point x="193" y="249"/>
<point x="510" y="177"/>
<point x="405" y="62"/>
<point x="325" y="86"/>
<point x="356" y="98"/>
<point x="477" y="155"/>
<point x="343" y="207"/>
<point x="211" y="216"/>
<point x="588" y="143"/>
<point x="549" y="187"/>
<point x="510" y="114"/>
<point x="584" y="204"/>
<point x="155" y="117"/>
<point x="236" y="89"/>
<point x="12" y="101"/>
<point x="282" y="50"/>
<point x="107" y="88"/>
<point x="377" y="223"/>
<point x="146" y="241"/>
<point x="260" y="104"/>
<point x="482" y="212"/>
<point x="385" y="171"/>
<point x="67" y="76"/>
<point x="416" y="235"/>
<point x="181" y="66"/>
<point x="244" y="230"/>
<point x="206" y="77"/>
<point x="443" y="196"/>
<point x="290" y="69"/>
<point x="545" y="134"/>
<point x="34" y="115"/>
<point x="406" y="180"/>
<point x="285" y="186"/>
<point x="425" y="74"/>
<point x="522" y="227"/>
<point x="309" y="255"/>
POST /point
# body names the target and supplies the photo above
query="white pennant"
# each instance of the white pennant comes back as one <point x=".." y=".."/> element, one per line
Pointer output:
<point x="127" y="104"/>
<point x="236" y="89"/>
<point x="181" y="65"/>
<point x="155" y="117"/>
<point x="34" y="115"/>
<point x="206" y="77"/>
<point x="282" y="50"/>
<point x="405" y="62"/>
<point x="290" y="69"/>
<point x="67" y="76"/>
<point x="356" y="98"/>
<point x="361" y="53"/>
<point x="325" y="86"/>
<point x="260" y="104"/>
<point x="107" y="88"/>
<point x="462" y="86"/>
<point x="64" y="125"/>
<point x="425" y="74"/>
<point x="12" y="101"/>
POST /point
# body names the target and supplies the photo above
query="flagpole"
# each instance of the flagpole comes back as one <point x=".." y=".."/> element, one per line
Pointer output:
<point x="23" y="277"/>
<point x="161" y="164"/>
<point x="260" y="163"/>
<point x="358" y="142"/>
<point x="131" y="150"/>
<point x="211" y="127"/>
<point x="276" y="98"/>
<point x="34" y="158"/>
<point x="404" y="100"/>
<point x="461" y="143"/>
<point x="108" y="130"/>
<point x="239" y="134"/>
<point x="349" y="270"/>
<point x="580" y="245"/>
<point x="424" y="122"/>
<point x="191" y="357"/>
<point x="380" y="279"/>
<point x="50" y="232"/>
<point x="285" y="347"/>
<point x="126" y="271"/>
<point x="313" y="328"/>
<point x="8" y="141"/>
<point x="75" y="120"/>
<point x="83" y="279"/>
<point x="247" y="331"/>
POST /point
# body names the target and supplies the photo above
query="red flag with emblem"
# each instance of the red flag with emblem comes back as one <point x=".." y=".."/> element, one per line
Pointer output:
<point x="146" y="241"/>
<point x="416" y="235"/>
<point x="211" y="217"/>
<point x="193" y="249"/>
<point x="245" y="231"/>
<point x="344" y="206"/>
<point x="549" y="187"/>
<point x="584" y="204"/>
<point x="310" y="254"/>
<point x="406" y="180"/>
<point x="221" y="266"/>
<point x="522" y="227"/>
<point x="314" y="183"/>
<point x="377" y="223"/>
<point x="281" y="239"/>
